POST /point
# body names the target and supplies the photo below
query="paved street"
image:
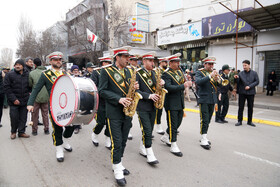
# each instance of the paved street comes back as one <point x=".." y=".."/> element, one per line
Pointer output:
<point x="240" y="156"/>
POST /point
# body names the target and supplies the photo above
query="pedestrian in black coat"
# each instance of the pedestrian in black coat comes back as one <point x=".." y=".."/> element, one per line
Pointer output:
<point x="271" y="83"/>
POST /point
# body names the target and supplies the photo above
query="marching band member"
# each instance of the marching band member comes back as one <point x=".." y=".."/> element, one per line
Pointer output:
<point x="206" y="80"/>
<point x="89" y="69"/>
<point x="47" y="79"/>
<point x="113" y="85"/>
<point x="174" y="102"/>
<point x="101" y="113"/>
<point x="146" y="109"/>
<point x="163" y="66"/>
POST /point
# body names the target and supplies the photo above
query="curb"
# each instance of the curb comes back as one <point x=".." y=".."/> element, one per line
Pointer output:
<point x="267" y="122"/>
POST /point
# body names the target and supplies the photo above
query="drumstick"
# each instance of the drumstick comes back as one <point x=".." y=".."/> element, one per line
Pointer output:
<point x="30" y="117"/>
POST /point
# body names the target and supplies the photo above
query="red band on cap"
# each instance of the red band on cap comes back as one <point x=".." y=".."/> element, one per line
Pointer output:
<point x="118" y="51"/>
<point x="175" y="57"/>
<point x="207" y="60"/>
<point x="53" y="56"/>
<point x="148" y="56"/>
<point x="105" y="59"/>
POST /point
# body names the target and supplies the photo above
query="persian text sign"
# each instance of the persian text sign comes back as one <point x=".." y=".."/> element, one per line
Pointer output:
<point x="223" y="24"/>
<point x="183" y="33"/>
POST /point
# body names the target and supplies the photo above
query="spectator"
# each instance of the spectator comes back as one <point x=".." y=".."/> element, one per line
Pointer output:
<point x="29" y="64"/>
<point x="4" y="72"/>
<point x="189" y="81"/>
<point x="2" y="95"/>
<point x="75" y="71"/>
<point x="17" y="90"/>
<point x="42" y="99"/>
<point x="247" y="80"/>
<point x="89" y="69"/>
<point x="271" y="84"/>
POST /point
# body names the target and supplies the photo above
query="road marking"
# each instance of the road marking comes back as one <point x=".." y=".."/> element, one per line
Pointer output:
<point x="257" y="159"/>
<point x="267" y="122"/>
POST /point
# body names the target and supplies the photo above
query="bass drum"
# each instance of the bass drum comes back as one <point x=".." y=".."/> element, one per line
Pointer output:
<point x="73" y="100"/>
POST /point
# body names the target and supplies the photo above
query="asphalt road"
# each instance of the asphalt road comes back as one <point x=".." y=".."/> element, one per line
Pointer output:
<point x="240" y="156"/>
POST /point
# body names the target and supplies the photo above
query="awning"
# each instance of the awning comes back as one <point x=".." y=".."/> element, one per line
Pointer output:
<point x="263" y="18"/>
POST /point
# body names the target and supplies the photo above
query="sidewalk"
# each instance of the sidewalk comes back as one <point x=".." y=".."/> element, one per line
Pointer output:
<point x="266" y="109"/>
<point x="261" y="101"/>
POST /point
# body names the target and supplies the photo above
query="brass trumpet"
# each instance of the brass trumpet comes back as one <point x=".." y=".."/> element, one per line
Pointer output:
<point x="221" y="80"/>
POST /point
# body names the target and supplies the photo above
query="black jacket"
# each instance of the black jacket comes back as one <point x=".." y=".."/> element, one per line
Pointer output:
<point x="1" y="84"/>
<point x="250" y="79"/>
<point x="271" y="85"/>
<point x="16" y="87"/>
<point x="224" y="89"/>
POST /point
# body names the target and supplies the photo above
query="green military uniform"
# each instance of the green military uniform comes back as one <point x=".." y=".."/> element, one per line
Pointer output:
<point x="207" y="91"/>
<point x="101" y="113"/>
<point x="114" y="85"/>
<point x="174" y="101"/>
<point x="145" y="109"/>
<point x="159" y="111"/>
<point x="47" y="79"/>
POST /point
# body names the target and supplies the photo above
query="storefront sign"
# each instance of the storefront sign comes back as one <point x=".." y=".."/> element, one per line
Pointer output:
<point x="142" y="12"/>
<point x="183" y="33"/>
<point x="224" y="24"/>
<point x="134" y="35"/>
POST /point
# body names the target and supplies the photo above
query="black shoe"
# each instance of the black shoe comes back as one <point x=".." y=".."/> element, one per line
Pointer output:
<point x="178" y="132"/>
<point x="121" y="182"/>
<point x="224" y="121"/>
<point x="238" y="123"/>
<point x="179" y="154"/>
<point x="77" y="130"/>
<point x="219" y="121"/>
<point x="251" y="124"/>
<point x="40" y="124"/>
<point x="153" y="163"/>
<point x="34" y="133"/>
<point x="108" y="147"/>
<point x="95" y="143"/>
<point x="208" y="142"/>
<point x="60" y="159"/>
<point x="126" y="172"/>
<point x="161" y="133"/>
<point x="69" y="150"/>
<point x="47" y="131"/>
<point x="129" y="138"/>
<point x="153" y="136"/>
<point x="1" y="125"/>
<point x="207" y="147"/>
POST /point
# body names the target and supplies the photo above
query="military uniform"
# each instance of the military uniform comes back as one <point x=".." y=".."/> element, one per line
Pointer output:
<point x="223" y="104"/>
<point x="207" y="92"/>
<point x="47" y="79"/>
<point x="174" y="101"/>
<point x="113" y="86"/>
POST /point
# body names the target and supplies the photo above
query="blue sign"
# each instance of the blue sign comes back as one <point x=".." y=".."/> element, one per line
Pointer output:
<point x="224" y="24"/>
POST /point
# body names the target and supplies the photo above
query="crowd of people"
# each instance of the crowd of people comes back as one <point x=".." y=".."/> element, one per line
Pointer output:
<point x="29" y="84"/>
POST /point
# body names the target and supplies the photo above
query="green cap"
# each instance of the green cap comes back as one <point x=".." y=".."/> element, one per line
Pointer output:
<point x="225" y="67"/>
<point x="89" y="64"/>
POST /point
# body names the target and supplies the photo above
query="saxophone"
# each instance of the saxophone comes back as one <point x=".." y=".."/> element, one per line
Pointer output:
<point x="159" y="90"/>
<point x="135" y="96"/>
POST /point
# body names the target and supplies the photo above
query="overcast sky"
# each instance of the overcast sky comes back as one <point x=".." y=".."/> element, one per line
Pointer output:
<point x="41" y="13"/>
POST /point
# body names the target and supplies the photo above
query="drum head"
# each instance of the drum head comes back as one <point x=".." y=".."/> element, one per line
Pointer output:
<point x="63" y="100"/>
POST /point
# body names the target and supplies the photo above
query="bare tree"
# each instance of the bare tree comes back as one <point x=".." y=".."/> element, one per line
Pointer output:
<point x="26" y="39"/>
<point x="6" y="57"/>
